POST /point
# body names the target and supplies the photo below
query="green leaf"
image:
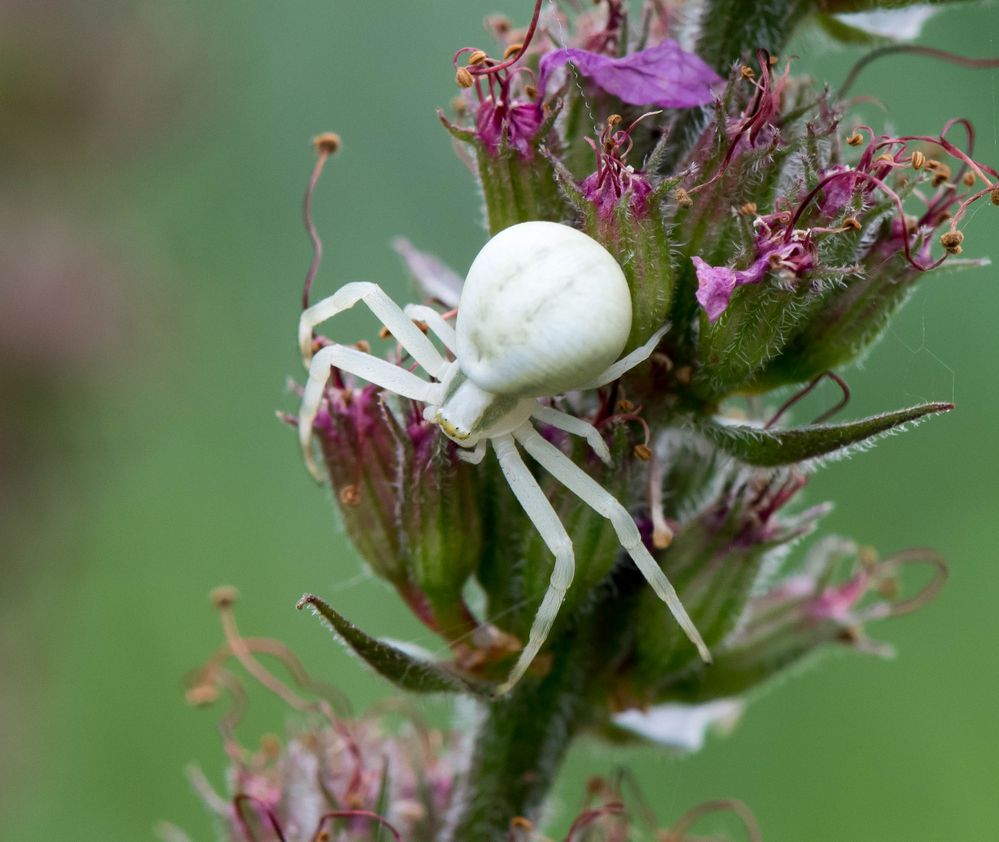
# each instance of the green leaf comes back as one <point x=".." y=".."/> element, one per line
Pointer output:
<point x="769" y="448"/>
<point x="403" y="670"/>
<point x="731" y="29"/>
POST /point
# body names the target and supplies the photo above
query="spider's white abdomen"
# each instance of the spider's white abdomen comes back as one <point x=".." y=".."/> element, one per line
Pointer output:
<point x="544" y="309"/>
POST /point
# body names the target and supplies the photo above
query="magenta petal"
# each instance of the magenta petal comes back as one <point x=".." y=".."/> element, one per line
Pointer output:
<point x="665" y="75"/>
<point x="715" y="285"/>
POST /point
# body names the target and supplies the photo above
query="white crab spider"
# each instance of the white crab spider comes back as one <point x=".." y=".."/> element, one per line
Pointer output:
<point x="545" y="309"/>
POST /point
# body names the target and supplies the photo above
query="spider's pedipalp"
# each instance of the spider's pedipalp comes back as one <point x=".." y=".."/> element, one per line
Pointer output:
<point x="535" y="504"/>
<point x="398" y="323"/>
<point x="590" y="492"/>
<point x="473" y="456"/>
<point x="435" y="321"/>
<point x="366" y="366"/>
<point x="628" y="361"/>
<point x="577" y="427"/>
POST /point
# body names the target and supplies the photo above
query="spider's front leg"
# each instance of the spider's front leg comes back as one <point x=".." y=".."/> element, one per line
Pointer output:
<point x="590" y="492"/>
<point x="398" y="323"/>
<point x="366" y="366"/>
<point x="543" y="516"/>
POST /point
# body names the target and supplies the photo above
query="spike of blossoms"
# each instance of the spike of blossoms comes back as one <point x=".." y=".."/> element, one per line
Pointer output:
<point x="766" y="238"/>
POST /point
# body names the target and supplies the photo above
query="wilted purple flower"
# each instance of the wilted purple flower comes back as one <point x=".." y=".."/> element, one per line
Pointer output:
<point x="665" y="75"/>
<point x="614" y="178"/>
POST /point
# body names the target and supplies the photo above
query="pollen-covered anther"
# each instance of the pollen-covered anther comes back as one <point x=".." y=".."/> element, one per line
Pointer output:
<point x="327" y="143"/>
<point x="512" y="50"/>
<point x="918" y="160"/>
<point x="683" y="199"/>
<point x="531" y="91"/>
<point x="202" y="695"/>
<point x="463" y="77"/>
<point x="477" y="57"/>
<point x="885" y="158"/>
<point x="855" y="139"/>
<point x="951" y="241"/>
<point x="747" y="72"/>
<point x="994" y="195"/>
<point x="748" y="209"/>
<point x="941" y="172"/>
<point x="851" y="223"/>
<point x="643" y="452"/>
<point x="224" y="597"/>
<point x="624" y="405"/>
<point x="969" y="179"/>
<point x="363" y="345"/>
<point x="521" y="822"/>
<point x="350" y="495"/>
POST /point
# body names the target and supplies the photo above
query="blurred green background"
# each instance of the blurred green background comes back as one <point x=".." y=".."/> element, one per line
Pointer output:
<point x="153" y="175"/>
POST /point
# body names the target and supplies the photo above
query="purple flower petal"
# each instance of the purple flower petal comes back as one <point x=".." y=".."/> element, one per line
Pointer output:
<point x="715" y="284"/>
<point x="665" y="75"/>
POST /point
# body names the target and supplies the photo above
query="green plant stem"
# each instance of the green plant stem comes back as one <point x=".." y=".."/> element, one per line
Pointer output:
<point x="522" y="741"/>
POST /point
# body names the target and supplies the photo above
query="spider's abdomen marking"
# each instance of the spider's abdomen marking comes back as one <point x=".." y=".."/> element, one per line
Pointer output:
<point x="544" y="309"/>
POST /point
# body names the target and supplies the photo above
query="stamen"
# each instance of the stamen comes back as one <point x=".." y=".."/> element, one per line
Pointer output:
<point x="326" y="144"/>
<point x="679" y="829"/>
<point x="354" y="814"/>
<point x="237" y="805"/>
<point x="588" y="817"/>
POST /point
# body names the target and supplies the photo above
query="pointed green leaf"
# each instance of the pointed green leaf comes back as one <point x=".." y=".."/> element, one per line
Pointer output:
<point x="403" y="670"/>
<point x="769" y="448"/>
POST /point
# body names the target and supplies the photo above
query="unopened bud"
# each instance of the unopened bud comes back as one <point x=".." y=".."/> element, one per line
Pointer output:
<point x="327" y="143"/>
<point x="463" y="78"/>
<point x="951" y="241"/>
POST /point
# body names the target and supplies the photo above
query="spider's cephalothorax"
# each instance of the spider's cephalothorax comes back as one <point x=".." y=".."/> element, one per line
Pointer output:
<point x="545" y="309"/>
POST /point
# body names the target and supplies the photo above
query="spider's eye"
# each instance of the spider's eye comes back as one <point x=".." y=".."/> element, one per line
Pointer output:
<point x="544" y="309"/>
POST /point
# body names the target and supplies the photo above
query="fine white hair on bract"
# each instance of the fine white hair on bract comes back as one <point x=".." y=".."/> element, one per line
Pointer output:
<point x="545" y="309"/>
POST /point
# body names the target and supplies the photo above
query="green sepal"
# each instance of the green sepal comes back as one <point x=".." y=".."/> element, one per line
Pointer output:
<point x="457" y="132"/>
<point x="770" y="448"/>
<point x="403" y="670"/>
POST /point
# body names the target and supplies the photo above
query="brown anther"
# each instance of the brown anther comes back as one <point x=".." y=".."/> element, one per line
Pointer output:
<point x="941" y="175"/>
<point x="316" y="346"/>
<point x="643" y="452"/>
<point x="748" y="209"/>
<point x="384" y="332"/>
<point x="969" y="179"/>
<point x="224" y="596"/>
<point x="683" y="199"/>
<point x="855" y="139"/>
<point x="363" y="345"/>
<point x="521" y="822"/>
<point x="463" y="78"/>
<point x="624" y="405"/>
<point x="323" y="836"/>
<point x="270" y="746"/>
<point x="951" y="241"/>
<point x="888" y="588"/>
<point x="918" y="160"/>
<point x="932" y="163"/>
<point x="500" y="23"/>
<point x="422" y="326"/>
<point x="851" y="223"/>
<point x="477" y="57"/>
<point x="614" y="120"/>
<point x="459" y="106"/>
<point x="867" y="557"/>
<point x="851" y="635"/>
<point x="994" y="195"/>
<point x="747" y="72"/>
<point x="884" y="159"/>
<point x="327" y="143"/>
<point x="350" y="495"/>
<point x="662" y="538"/>
<point x="772" y="61"/>
<point x="201" y="695"/>
<point x="531" y="91"/>
<point x="512" y="50"/>
<point x="684" y="374"/>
